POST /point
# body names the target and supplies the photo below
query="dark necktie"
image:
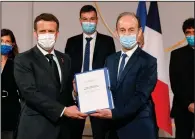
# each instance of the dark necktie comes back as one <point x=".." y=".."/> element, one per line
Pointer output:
<point x="87" y="55"/>
<point x="122" y="65"/>
<point x="54" y="67"/>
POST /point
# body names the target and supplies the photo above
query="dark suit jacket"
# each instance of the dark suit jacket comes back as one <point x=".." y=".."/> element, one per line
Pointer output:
<point x="182" y="79"/>
<point x="132" y="115"/>
<point x="43" y="100"/>
<point x="104" y="46"/>
<point x="10" y="106"/>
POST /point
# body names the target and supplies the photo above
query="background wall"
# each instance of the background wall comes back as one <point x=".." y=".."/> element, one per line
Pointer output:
<point x="19" y="17"/>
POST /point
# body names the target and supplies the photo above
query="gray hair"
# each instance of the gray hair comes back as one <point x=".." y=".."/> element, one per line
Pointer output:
<point x="130" y="14"/>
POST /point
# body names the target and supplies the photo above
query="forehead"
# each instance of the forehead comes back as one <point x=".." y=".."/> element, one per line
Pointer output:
<point x="46" y="25"/>
<point x="127" y="21"/>
<point x="189" y="30"/>
<point x="6" y="38"/>
<point x="88" y="14"/>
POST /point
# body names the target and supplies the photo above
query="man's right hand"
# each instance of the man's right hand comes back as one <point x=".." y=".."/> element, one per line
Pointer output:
<point x="73" y="112"/>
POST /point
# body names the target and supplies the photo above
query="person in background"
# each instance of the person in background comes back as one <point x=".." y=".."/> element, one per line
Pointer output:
<point x="181" y="72"/>
<point x="10" y="105"/>
<point x="89" y="51"/>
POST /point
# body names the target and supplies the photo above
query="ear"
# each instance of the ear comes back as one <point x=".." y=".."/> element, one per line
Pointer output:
<point x="13" y="44"/>
<point x="140" y="37"/>
<point x="97" y="20"/>
<point x="80" y="21"/>
<point x="57" y="34"/>
<point x="140" y="33"/>
<point x="116" y="34"/>
<point x="35" y="34"/>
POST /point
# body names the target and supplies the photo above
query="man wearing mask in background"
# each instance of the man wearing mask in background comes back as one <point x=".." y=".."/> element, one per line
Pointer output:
<point x="133" y="76"/>
<point x="88" y="51"/>
<point x="42" y="75"/>
<point x="182" y="83"/>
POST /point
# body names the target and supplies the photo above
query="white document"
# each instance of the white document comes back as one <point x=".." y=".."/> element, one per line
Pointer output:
<point x="93" y="90"/>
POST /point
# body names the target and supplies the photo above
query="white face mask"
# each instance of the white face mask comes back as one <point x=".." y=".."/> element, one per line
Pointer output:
<point x="46" y="41"/>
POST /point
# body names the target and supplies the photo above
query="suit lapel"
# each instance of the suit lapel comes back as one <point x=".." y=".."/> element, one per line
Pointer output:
<point x="128" y="66"/>
<point x="44" y="63"/>
<point x="115" y="68"/>
<point x="97" y="44"/>
<point x="80" y="51"/>
<point x="61" y="63"/>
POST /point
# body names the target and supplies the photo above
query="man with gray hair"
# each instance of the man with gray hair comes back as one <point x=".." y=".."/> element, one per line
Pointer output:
<point x="133" y="76"/>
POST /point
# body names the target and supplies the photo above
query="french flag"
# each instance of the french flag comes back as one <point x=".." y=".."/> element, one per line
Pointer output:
<point x="153" y="45"/>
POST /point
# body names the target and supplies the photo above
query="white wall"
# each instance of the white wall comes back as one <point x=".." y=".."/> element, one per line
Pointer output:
<point x="19" y="16"/>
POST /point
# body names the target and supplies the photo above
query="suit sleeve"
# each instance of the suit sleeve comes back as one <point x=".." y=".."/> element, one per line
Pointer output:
<point x="112" y="47"/>
<point x="176" y="82"/>
<point x="33" y="97"/>
<point x="145" y="84"/>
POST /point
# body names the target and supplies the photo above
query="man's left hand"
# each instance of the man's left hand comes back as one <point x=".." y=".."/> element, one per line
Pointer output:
<point x="104" y="113"/>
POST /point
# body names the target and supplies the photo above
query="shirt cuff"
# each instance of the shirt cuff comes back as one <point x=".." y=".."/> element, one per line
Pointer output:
<point x="63" y="112"/>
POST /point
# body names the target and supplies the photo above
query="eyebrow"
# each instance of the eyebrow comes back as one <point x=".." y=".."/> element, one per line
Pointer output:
<point x="128" y="28"/>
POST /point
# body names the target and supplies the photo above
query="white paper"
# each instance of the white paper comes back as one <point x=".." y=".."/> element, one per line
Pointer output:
<point x="92" y="91"/>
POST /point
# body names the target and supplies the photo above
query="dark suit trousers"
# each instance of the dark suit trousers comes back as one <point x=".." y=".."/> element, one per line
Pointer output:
<point x="112" y="134"/>
<point x="184" y="123"/>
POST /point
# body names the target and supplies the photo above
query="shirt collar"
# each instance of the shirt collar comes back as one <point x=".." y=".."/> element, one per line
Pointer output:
<point x="130" y="52"/>
<point x="45" y="52"/>
<point x="92" y="35"/>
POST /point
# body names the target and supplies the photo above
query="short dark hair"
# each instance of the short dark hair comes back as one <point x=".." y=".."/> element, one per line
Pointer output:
<point x="8" y="32"/>
<point x="130" y="14"/>
<point x="188" y="23"/>
<point x="46" y="17"/>
<point x="87" y="8"/>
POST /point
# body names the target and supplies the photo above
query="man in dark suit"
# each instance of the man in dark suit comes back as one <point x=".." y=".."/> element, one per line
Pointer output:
<point x="88" y="51"/>
<point x="182" y="83"/>
<point x="133" y="76"/>
<point x="42" y="75"/>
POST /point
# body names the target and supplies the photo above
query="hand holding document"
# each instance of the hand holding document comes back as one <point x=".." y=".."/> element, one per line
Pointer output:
<point x="73" y="112"/>
<point x="104" y="113"/>
<point x="93" y="91"/>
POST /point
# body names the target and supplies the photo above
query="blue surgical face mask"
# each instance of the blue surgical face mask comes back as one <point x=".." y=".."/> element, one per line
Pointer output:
<point x="89" y="27"/>
<point x="128" y="41"/>
<point x="190" y="40"/>
<point x="5" y="49"/>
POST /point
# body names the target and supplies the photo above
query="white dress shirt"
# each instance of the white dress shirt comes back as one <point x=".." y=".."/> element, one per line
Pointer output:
<point x="57" y="63"/>
<point x="92" y="47"/>
<point x="129" y="54"/>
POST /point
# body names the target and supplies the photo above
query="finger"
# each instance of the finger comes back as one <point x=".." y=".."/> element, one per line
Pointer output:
<point x="82" y="114"/>
<point x="77" y="117"/>
<point x="99" y="111"/>
<point x="80" y="117"/>
<point x="95" y="114"/>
